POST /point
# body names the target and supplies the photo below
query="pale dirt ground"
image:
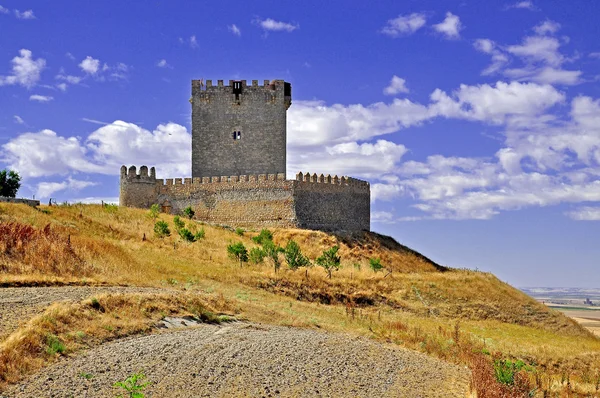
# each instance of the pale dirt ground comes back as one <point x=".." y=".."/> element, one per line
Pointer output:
<point x="588" y="319"/>
<point x="232" y="360"/>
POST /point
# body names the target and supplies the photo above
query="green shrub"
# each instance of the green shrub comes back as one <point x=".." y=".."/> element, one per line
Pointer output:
<point x="54" y="345"/>
<point x="200" y="234"/>
<point x="187" y="235"/>
<point x="505" y="370"/>
<point x="154" y="212"/>
<point x="329" y="260"/>
<point x="375" y="264"/>
<point x="189" y="212"/>
<point x="161" y="229"/>
<point x="294" y="257"/>
<point x="240" y="231"/>
<point x="256" y="255"/>
<point x="263" y="236"/>
<point x="133" y="386"/>
<point x="238" y="251"/>
<point x="179" y="223"/>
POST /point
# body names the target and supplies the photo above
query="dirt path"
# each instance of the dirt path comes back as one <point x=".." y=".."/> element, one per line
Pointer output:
<point x="241" y="359"/>
<point x="19" y="304"/>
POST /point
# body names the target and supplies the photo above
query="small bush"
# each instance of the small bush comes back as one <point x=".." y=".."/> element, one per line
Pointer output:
<point x="505" y="370"/>
<point x="240" y="231"/>
<point x="187" y="235"/>
<point x="189" y="212"/>
<point x="161" y="229"/>
<point x="375" y="264"/>
<point x="263" y="236"/>
<point x="154" y="212"/>
<point x="256" y="255"/>
<point x="54" y="345"/>
<point x="179" y="223"/>
<point x="329" y="260"/>
<point x="200" y="234"/>
<point x="133" y="385"/>
<point x="238" y="251"/>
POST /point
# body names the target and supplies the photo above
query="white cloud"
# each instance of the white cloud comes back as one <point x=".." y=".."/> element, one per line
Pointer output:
<point x="450" y="26"/>
<point x="276" y="26"/>
<point x="25" y="14"/>
<point x="90" y="65"/>
<point x="595" y="55"/>
<point x="25" y="70"/>
<point x="234" y="29"/>
<point x="47" y="189"/>
<point x="384" y="217"/>
<point x="69" y="78"/>
<point x="538" y="48"/>
<point x="546" y="75"/>
<point x="587" y="213"/>
<point x="523" y="4"/>
<point x="397" y="85"/>
<point x="18" y="119"/>
<point x="404" y="24"/>
<point x="194" y="42"/>
<point x="163" y="64"/>
<point x="62" y="86"/>
<point x="104" y="151"/>
<point x="40" y="98"/>
<point x="546" y="27"/>
<point x="499" y="59"/>
<point x="4" y="10"/>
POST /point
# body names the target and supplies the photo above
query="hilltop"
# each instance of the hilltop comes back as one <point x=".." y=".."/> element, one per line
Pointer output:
<point x="462" y="316"/>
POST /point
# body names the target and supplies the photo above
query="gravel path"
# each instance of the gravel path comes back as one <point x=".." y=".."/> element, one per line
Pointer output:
<point x="19" y="304"/>
<point x="240" y="359"/>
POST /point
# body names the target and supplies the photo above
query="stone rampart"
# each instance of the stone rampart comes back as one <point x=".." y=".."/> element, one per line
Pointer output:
<point x="255" y="201"/>
<point x="28" y="202"/>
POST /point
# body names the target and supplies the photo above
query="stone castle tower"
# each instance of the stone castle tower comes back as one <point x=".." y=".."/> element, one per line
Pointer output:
<point x="239" y="129"/>
<point x="239" y="168"/>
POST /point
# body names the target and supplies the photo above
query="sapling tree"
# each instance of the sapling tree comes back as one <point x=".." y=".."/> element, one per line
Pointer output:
<point x="154" y="212"/>
<point x="329" y="260"/>
<point x="161" y="229"/>
<point x="272" y="252"/>
<point x="375" y="264"/>
<point x="179" y="223"/>
<point x="189" y="212"/>
<point x="263" y="236"/>
<point x="294" y="257"/>
<point x="256" y="255"/>
<point x="238" y="251"/>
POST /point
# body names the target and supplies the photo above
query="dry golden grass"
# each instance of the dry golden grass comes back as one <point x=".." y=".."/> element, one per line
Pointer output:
<point x="417" y="305"/>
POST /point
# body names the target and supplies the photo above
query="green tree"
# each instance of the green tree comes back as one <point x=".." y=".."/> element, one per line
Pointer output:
<point x="238" y="251"/>
<point x="294" y="257"/>
<point x="329" y="260"/>
<point x="256" y="255"/>
<point x="272" y="252"/>
<point x="189" y="212"/>
<point x="154" y="212"/>
<point x="375" y="264"/>
<point x="186" y="235"/>
<point x="161" y="229"/>
<point x="263" y="236"/>
<point x="133" y="386"/>
<point x="10" y="182"/>
<point x="200" y="234"/>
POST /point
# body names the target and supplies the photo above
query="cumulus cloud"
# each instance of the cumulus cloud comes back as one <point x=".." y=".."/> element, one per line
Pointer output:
<point x="4" y="10"/>
<point x="47" y="189"/>
<point x="586" y="213"/>
<point x="547" y="27"/>
<point x="538" y="48"/>
<point x="163" y="64"/>
<point x="25" y="14"/>
<point x="523" y="5"/>
<point x="40" y="98"/>
<point x="275" y="26"/>
<point x="26" y="71"/>
<point x="90" y="65"/>
<point x="404" y="25"/>
<point x="450" y="27"/>
<point x="397" y="85"/>
<point x="234" y="30"/>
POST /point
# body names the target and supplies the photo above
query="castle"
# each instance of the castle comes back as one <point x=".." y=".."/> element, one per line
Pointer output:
<point x="239" y="168"/>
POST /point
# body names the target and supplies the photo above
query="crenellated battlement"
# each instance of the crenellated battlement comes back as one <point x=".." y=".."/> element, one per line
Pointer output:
<point x="208" y="84"/>
<point x="143" y="175"/>
<point x="329" y="179"/>
<point x="221" y="179"/>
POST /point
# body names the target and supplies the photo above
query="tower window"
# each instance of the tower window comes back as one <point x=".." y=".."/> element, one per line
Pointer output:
<point x="237" y="89"/>
<point x="239" y="135"/>
<point x="236" y="135"/>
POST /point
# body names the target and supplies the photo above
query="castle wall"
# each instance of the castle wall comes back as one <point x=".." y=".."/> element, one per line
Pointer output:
<point x="258" y="113"/>
<point x="256" y="201"/>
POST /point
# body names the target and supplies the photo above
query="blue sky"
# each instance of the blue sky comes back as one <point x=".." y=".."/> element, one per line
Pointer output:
<point x="477" y="123"/>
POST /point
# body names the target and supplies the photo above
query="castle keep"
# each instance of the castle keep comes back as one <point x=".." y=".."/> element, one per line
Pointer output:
<point x="239" y="168"/>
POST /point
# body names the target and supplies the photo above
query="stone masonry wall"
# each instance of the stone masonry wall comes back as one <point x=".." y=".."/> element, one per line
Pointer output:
<point x="255" y="201"/>
<point x="28" y="202"/>
<point x="258" y="113"/>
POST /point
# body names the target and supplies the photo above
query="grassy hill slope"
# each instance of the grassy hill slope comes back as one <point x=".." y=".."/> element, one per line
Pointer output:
<point x="463" y="316"/>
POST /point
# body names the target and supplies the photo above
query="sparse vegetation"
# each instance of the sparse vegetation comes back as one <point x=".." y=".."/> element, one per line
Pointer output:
<point x="154" y="212"/>
<point x="263" y="236"/>
<point x="375" y="264"/>
<point x="329" y="260"/>
<point x="186" y="235"/>
<point x="272" y="252"/>
<point x="256" y="255"/>
<point x="200" y="234"/>
<point x="179" y="223"/>
<point x="240" y="231"/>
<point x="294" y="257"/>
